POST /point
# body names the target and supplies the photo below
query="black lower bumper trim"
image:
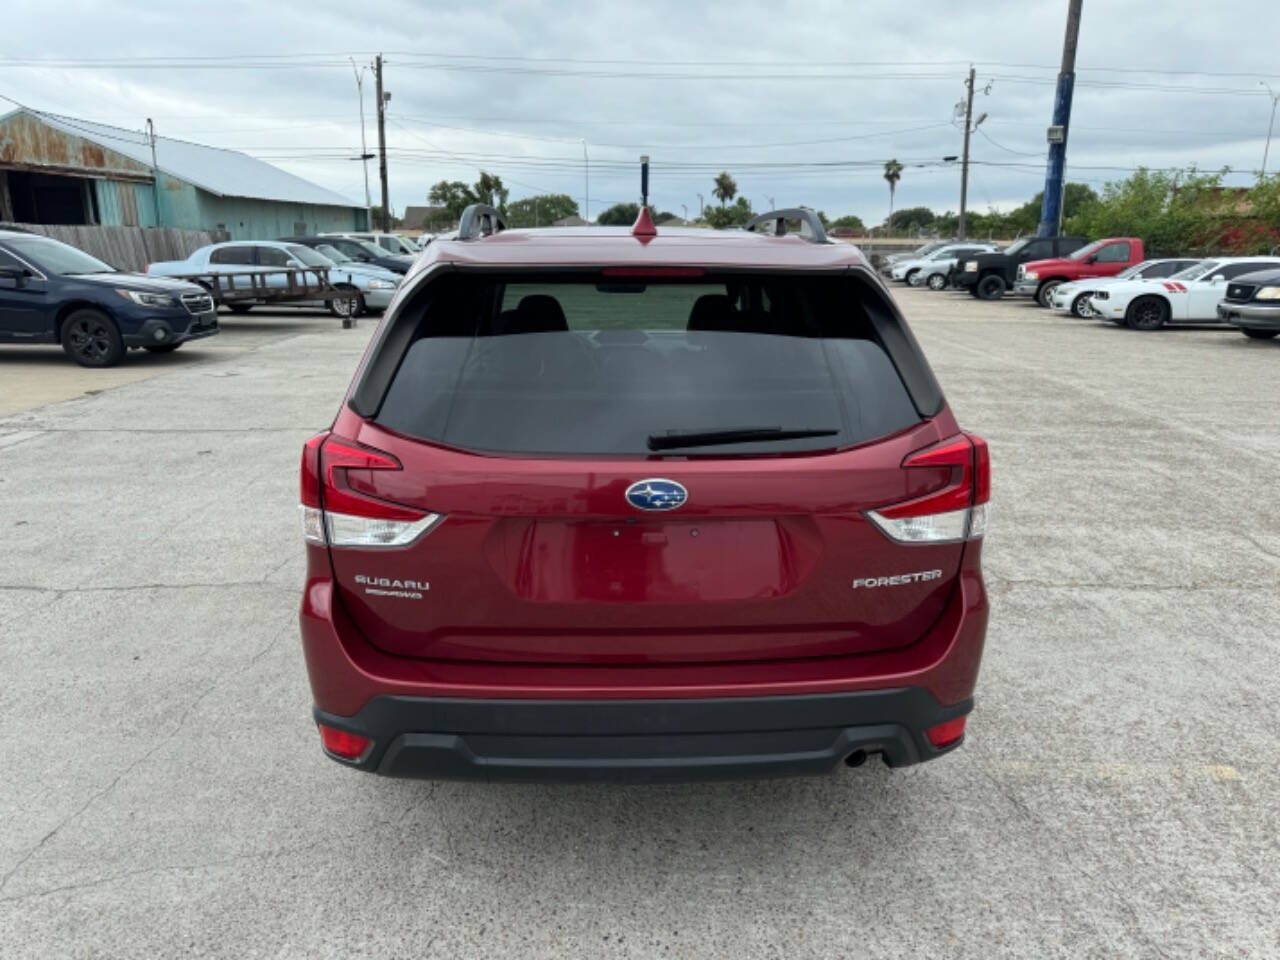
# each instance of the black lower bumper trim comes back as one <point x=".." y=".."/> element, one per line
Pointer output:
<point x="643" y="740"/>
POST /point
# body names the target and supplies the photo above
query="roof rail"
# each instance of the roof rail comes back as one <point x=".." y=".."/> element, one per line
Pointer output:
<point x="480" y="220"/>
<point x="808" y="219"/>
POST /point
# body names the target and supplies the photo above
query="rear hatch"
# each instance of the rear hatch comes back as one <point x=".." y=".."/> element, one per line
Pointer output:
<point x="649" y="469"/>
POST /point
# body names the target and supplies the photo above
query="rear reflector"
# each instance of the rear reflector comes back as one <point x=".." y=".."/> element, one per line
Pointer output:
<point x="341" y="744"/>
<point x="945" y="734"/>
<point x="334" y="514"/>
<point x="958" y="510"/>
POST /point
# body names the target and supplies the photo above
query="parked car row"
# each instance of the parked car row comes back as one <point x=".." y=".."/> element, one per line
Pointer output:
<point x="51" y="292"/>
<point x="371" y="284"/>
<point x="1111" y="279"/>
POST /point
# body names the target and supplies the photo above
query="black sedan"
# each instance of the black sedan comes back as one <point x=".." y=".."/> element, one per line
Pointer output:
<point x="1252" y="303"/>
<point x="51" y="292"/>
<point x="360" y="250"/>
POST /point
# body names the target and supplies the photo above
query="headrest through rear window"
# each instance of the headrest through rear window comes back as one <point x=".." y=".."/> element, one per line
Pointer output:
<point x="536" y="313"/>
<point x="714" y="312"/>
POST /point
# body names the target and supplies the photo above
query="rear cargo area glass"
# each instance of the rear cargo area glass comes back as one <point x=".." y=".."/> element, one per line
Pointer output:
<point x="598" y="366"/>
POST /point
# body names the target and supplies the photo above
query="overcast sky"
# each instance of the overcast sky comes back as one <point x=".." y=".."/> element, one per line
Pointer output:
<point x="769" y="91"/>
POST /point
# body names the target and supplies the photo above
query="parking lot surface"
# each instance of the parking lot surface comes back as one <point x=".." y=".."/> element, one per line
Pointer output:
<point x="164" y="793"/>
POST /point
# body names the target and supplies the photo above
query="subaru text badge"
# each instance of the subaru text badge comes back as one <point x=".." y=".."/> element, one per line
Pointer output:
<point x="656" y="494"/>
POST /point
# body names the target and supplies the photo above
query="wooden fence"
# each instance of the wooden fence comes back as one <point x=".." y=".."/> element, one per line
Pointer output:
<point x="129" y="248"/>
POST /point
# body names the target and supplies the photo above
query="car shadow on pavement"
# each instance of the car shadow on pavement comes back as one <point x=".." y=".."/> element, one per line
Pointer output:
<point x="53" y="357"/>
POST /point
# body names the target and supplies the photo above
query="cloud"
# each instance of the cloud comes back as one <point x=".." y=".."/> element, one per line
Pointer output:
<point x="715" y="87"/>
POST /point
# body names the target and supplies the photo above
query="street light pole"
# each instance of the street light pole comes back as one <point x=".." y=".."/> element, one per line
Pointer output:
<point x="701" y="206"/>
<point x="364" y="149"/>
<point x="1267" y="150"/>
<point x="586" y="183"/>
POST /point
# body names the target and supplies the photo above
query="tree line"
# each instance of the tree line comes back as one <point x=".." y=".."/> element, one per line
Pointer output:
<point x="1174" y="211"/>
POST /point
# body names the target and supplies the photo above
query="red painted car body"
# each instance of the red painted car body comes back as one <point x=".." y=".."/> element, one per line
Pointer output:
<point x="540" y="625"/>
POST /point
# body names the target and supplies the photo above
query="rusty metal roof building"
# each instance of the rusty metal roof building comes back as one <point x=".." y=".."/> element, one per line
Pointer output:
<point x="57" y="169"/>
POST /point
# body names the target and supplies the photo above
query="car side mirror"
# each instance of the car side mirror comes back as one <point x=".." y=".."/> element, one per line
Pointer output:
<point x="1092" y="259"/>
<point x="17" y="274"/>
<point x="1219" y="278"/>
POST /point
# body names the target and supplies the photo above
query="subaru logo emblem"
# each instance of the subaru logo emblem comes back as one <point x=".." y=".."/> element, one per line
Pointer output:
<point x="656" y="494"/>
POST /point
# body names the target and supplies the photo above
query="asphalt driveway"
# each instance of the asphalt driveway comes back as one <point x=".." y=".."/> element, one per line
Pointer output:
<point x="163" y="793"/>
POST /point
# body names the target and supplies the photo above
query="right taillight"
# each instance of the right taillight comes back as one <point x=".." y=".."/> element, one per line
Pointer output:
<point x="954" y="513"/>
<point x="334" y="514"/>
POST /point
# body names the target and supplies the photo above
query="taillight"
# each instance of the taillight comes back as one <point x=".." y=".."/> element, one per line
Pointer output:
<point x="341" y="744"/>
<point x="956" y="512"/>
<point x="335" y="514"/>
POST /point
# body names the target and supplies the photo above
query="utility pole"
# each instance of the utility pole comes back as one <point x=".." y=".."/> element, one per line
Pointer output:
<point x="382" y="143"/>
<point x="964" y="163"/>
<point x="364" y="149"/>
<point x="1051" y="208"/>
<point x="155" y="170"/>
<point x="1267" y="150"/>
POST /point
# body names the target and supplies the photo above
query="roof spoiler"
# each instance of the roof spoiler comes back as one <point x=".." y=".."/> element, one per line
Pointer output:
<point x="480" y="220"/>
<point x="810" y="225"/>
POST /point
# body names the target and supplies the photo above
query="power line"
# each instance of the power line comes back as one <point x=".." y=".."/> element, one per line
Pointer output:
<point x="994" y="143"/>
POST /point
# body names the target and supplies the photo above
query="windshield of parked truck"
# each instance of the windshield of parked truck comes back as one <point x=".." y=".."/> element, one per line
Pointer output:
<point x="1088" y="251"/>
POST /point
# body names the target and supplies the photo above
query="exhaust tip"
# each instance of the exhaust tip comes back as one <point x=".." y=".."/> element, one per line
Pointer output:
<point x="856" y="759"/>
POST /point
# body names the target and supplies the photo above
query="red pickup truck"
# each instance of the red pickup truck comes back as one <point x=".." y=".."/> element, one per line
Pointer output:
<point x="1102" y="258"/>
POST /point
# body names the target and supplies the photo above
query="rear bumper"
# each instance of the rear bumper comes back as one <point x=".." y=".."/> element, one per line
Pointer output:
<point x="440" y="718"/>
<point x="1253" y="316"/>
<point x="643" y="740"/>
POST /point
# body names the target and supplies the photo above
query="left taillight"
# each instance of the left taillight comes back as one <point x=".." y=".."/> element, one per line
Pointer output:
<point x="335" y="514"/>
<point x="956" y="512"/>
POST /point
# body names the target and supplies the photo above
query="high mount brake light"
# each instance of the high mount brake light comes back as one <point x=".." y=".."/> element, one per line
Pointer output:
<point x="645" y="273"/>
<point x="956" y="512"/>
<point x="334" y="514"/>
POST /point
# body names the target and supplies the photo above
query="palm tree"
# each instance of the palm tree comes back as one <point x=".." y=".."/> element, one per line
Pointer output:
<point x="726" y="188"/>
<point x="892" y="173"/>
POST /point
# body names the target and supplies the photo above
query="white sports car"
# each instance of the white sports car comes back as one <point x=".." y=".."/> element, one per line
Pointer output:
<point x="1074" y="297"/>
<point x="1188" y="297"/>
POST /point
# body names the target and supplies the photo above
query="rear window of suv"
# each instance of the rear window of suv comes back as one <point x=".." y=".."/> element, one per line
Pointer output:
<point x="590" y="366"/>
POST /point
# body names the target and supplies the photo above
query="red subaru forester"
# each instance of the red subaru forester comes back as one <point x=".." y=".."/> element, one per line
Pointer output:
<point x="633" y="504"/>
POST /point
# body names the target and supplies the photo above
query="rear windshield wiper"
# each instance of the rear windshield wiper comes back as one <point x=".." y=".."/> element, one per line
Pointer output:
<point x="674" y="439"/>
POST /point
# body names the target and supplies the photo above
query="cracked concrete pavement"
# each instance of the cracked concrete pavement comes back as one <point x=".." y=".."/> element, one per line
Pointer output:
<point x="164" y="795"/>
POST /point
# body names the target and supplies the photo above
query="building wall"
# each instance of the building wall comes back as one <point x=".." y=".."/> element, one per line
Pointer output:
<point x="247" y="219"/>
<point x="125" y="204"/>
<point x="189" y="208"/>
